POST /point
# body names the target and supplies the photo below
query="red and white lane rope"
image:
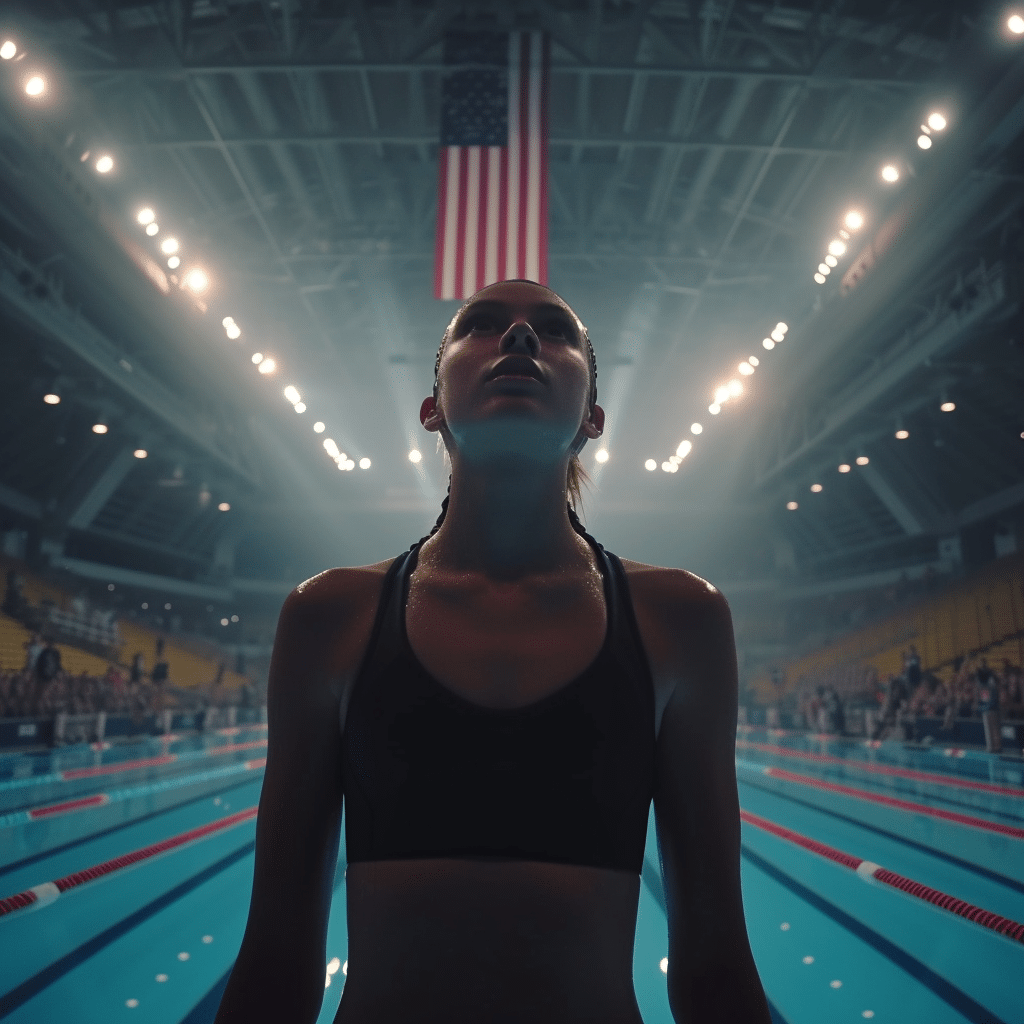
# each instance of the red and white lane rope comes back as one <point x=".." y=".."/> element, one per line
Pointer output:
<point x="867" y="869"/>
<point x="884" y="769"/>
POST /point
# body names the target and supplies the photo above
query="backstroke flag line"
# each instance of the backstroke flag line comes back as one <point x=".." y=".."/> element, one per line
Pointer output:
<point x="492" y="204"/>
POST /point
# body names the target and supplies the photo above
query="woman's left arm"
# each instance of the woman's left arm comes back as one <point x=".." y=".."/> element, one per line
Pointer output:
<point x="712" y="978"/>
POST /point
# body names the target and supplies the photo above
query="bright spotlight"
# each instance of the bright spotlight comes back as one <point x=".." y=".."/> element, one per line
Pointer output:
<point x="169" y="245"/>
<point x="364" y="463"/>
<point x="768" y="343"/>
<point x="650" y="465"/>
<point x="936" y="122"/>
<point x="924" y="142"/>
<point x="152" y="229"/>
<point x="721" y="395"/>
<point x="300" y="406"/>
<point x="8" y="50"/>
<point x="319" y="427"/>
<point x="145" y="216"/>
<point x="140" y="453"/>
<point x="792" y="506"/>
<point x="902" y="435"/>
<point x="684" y="449"/>
<point x="696" y="428"/>
<point x="1015" y="23"/>
<point x="52" y="398"/>
<point x="331" y="447"/>
<point x="823" y="268"/>
<point x="753" y="360"/>
<point x="714" y="409"/>
<point x="862" y="460"/>
<point x="602" y="455"/>
<point x="735" y="388"/>
<point x="100" y="428"/>
<point x="844" y="467"/>
<point x="174" y="262"/>
<point x="854" y="220"/>
<point x="889" y="173"/>
<point x="224" y="622"/>
<point x="105" y="164"/>
<point x="268" y="366"/>
<point x="777" y="336"/>
<point x="830" y="261"/>
<point x="197" y="281"/>
<point x="816" y="488"/>
<point x="223" y="507"/>
<point x="415" y="456"/>
<point x="746" y="369"/>
<point x="819" y="278"/>
<point x="257" y="358"/>
<point x="292" y="394"/>
<point x="780" y="326"/>
<point x="35" y="86"/>
<point x="667" y="467"/>
<point x="836" y="247"/>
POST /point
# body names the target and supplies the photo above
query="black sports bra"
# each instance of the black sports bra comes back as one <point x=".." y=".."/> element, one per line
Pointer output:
<point x="567" y="779"/>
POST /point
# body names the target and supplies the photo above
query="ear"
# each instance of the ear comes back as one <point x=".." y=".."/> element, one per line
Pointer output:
<point x="430" y="416"/>
<point x="595" y="425"/>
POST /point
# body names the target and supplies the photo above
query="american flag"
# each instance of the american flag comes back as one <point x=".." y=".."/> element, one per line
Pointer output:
<point x="492" y="206"/>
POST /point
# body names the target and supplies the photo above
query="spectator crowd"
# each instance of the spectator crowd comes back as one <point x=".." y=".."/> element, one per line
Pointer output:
<point x="974" y="689"/>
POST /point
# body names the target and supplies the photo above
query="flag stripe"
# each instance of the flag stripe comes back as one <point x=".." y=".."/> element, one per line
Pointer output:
<point x="493" y="200"/>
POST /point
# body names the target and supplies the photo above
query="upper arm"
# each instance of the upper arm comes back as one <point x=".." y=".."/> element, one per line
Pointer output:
<point x="696" y="803"/>
<point x="299" y="821"/>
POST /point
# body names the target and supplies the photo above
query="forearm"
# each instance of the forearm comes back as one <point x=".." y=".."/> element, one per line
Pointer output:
<point x="270" y="994"/>
<point x="724" y="993"/>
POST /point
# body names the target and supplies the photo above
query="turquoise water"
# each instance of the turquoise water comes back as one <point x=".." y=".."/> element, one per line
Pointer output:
<point x="156" y="941"/>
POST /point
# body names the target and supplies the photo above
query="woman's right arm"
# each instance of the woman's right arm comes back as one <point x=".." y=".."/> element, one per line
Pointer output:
<point x="280" y="970"/>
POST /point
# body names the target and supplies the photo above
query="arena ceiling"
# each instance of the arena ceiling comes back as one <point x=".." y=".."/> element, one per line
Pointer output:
<point x="703" y="156"/>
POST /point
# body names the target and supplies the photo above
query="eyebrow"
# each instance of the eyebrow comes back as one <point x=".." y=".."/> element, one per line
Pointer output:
<point x="495" y="304"/>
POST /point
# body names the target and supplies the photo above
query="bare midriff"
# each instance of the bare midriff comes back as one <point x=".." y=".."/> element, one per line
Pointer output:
<point x="469" y="941"/>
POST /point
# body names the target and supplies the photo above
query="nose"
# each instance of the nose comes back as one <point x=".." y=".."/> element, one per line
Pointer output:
<point x="520" y="336"/>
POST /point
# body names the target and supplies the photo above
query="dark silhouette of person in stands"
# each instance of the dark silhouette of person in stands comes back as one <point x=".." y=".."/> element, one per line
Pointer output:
<point x="497" y="734"/>
<point x="15" y="603"/>
<point x="986" y="702"/>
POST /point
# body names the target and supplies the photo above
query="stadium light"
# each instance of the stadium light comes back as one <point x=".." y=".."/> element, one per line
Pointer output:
<point x="936" y="121"/>
<point x="902" y="435"/>
<point x="364" y="463"/>
<point x="140" y="453"/>
<point x="174" y="262"/>
<point x="224" y="507"/>
<point x="651" y="465"/>
<point x="35" y="86"/>
<point x="890" y="173"/>
<point x="152" y="229"/>
<point x="268" y="366"/>
<point x="948" y="406"/>
<point x="792" y="506"/>
<point x="830" y="260"/>
<point x="836" y="247"/>
<point x="862" y="460"/>
<point x="8" y="50"/>
<point x="292" y="394"/>
<point x="105" y="164"/>
<point x="257" y="358"/>
<point x="753" y="360"/>
<point x="768" y="343"/>
<point x="300" y="407"/>
<point x="817" y="488"/>
<point x="844" y="467"/>
<point x="51" y="398"/>
<point x="823" y="268"/>
<point x="145" y="216"/>
<point x="1015" y="23"/>
<point x="696" y="428"/>
<point x="819" y="279"/>
<point x="714" y="409"/>
<point x="415" y="456"/>
<point x="854" y="220"/>
<point x="197" y="281"/>
<point x="319" y="427"/>
<point x="602" y="455"/>
<point x="684" y="449"/>
<point x="746" y="369"/>
<point x="924" y="142"/>
<point x="169" y="246"/>
<point x="100" y="428"/>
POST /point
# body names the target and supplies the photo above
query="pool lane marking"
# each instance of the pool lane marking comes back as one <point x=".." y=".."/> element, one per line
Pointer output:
<point x="905" y="773"/>
<point x="74" y="774"/>
<point x="868" y="869"/>
<point x="889" y="801"/>
<point x="16" y="818"/>
<point x="47" y="893"/>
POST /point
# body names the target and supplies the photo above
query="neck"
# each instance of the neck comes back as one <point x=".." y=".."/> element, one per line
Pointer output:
<point x="507" y="523"/>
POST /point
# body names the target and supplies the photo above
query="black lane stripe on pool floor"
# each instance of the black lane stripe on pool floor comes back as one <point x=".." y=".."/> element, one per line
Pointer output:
<point x="945" y="990"/>
<point x="950" y="858"/>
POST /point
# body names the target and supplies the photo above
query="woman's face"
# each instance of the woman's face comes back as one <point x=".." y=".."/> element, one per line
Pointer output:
<point x="523" y="329"/>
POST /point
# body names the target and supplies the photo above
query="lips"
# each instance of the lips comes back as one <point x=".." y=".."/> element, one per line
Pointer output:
<point x="516" y="366"/>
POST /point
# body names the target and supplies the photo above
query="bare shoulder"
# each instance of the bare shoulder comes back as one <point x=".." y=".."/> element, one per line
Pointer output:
<point x="335" y="590"/>
<point x="672" y="590"/>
